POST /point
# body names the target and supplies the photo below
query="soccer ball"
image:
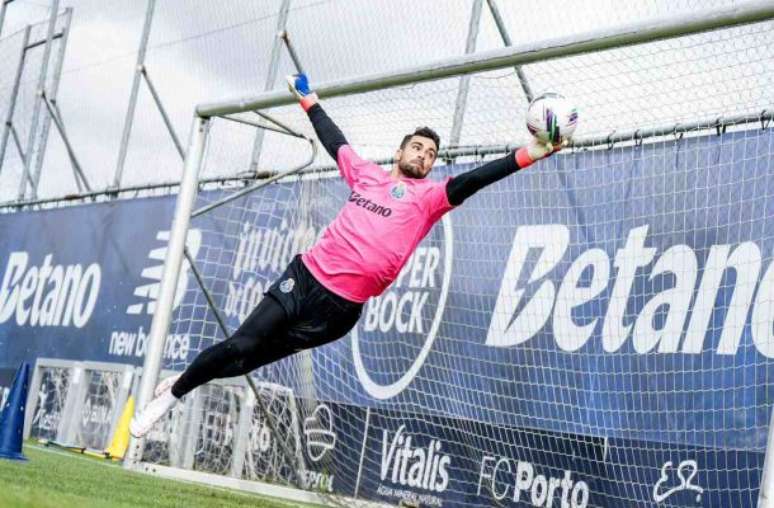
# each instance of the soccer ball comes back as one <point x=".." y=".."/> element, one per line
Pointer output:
<point x="551" y="118"/>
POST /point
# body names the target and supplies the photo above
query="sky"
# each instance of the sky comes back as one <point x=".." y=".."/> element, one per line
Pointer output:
<point x="201" y="51"/>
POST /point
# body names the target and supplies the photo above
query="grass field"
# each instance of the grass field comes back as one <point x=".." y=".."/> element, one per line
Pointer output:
<point x="59" y="479"/>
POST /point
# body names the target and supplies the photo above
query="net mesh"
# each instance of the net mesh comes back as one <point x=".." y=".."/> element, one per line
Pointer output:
<point x="19" y="143"/>
<point x="47" y="414"/>
<point x="198" y="52"/>
<point x="588" y="333"/>
<point x="101" y="405"/>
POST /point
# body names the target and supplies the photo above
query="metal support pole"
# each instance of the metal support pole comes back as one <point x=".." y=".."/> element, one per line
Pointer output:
<point x="292" y="52"/>
<point x="192" y="423"/>
<point x="464" y="84"/>
<point x="271" y="77"/>
<point x="174" y="259"/>
<point x="17" y="142"/>
<point x="57" y="74"/>
<point x="3" y="5"/>
<point x="133" y="95"/>
<point x="8" y="125"/>
<point x="73" y="404"/>
<point x="507" y="41"/>
<point x="163" y="112"/>
<point x="247" y="190"/>
<point x="36" y="108"/>
<point x="256" y="124"/>
<point x="54" y="115"/>
<point x="242" y="434"/>
<point x="41" y="42"/>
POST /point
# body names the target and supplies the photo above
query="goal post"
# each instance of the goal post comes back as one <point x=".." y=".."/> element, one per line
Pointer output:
<point x="528" y="374"/>
<point x="172" y="265"/>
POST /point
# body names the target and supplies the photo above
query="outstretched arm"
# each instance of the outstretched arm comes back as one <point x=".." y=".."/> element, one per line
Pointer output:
<point x="327" y="132"/>
<point x="465" y="185"/>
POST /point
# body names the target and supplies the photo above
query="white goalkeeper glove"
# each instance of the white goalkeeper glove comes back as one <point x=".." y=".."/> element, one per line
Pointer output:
<point x="299" y="86"/>
<point x="536" y="150"/>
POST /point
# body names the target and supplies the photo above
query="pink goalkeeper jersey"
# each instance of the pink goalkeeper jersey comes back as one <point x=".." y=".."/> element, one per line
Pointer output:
<point x="363" y="250"/>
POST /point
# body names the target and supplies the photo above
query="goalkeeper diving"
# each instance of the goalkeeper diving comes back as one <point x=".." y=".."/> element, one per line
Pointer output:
<point x="321" y="294"/>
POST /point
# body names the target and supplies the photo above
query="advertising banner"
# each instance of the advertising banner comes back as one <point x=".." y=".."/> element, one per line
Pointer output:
<point x="585" y="302"/>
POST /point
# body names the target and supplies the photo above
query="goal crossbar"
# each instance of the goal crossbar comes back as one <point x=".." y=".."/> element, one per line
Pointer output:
<point x="597" y="40"/>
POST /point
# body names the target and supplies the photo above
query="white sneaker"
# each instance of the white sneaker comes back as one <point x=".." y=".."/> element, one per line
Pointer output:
<point x="166" y="384"/>
<point x="144" y="421"/>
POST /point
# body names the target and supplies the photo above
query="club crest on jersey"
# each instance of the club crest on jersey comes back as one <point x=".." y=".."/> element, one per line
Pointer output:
<point x="398" y="190"/>
<point x="287" y="285"/>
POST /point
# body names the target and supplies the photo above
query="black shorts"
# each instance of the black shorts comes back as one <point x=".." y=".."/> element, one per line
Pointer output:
<point x="315" y="315"/>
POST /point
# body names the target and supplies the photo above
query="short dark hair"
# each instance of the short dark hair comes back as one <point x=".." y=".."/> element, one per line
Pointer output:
<point x="425" y="132"/>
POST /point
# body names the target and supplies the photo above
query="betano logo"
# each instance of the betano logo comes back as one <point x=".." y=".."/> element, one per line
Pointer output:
<point x="690" y="293"/>
<point x="48" y="294"/>
<point x="407" y="297"/>
<point x="150" y="292"/>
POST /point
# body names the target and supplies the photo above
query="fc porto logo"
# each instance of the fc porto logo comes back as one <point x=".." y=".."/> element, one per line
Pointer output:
<point x="287" y="285"/>
<point x="398" y="190"/>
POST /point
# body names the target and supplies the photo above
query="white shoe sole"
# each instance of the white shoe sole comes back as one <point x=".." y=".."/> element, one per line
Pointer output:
<point x="143" y="422"/>
<point x="165" y="384"/>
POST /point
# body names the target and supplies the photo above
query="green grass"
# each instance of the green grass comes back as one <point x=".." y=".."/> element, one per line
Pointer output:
<point x="58" y="479"/>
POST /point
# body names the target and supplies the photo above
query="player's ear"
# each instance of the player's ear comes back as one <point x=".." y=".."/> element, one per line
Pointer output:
<point x="398" y="154"/>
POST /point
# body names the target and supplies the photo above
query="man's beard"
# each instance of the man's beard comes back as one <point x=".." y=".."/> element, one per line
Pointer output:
<point x="409" y="170"/>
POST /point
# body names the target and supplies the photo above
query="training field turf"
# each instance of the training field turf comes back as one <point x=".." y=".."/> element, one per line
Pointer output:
<point x="59" y="479"/>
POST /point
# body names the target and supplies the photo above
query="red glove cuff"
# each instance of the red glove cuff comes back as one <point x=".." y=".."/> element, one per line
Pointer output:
<point x="522" y="158"/>
<point x="309" y="101"/>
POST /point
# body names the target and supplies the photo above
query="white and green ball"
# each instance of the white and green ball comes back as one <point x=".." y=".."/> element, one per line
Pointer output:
<point x="551" y="117"/>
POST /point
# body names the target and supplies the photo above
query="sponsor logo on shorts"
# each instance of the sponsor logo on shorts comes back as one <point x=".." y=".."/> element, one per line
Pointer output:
<point x="287" y="285"/>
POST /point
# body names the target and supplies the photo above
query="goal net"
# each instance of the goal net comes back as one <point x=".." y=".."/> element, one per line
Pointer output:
<point x="595" y="331"/>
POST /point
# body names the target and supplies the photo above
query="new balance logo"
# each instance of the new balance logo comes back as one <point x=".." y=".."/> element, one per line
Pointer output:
<point x="149" y="293"/>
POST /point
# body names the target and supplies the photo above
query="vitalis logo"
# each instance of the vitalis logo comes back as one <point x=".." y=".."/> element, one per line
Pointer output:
<point x="692" y="295"/>
<point x="419" y="466"/>
<point x="406" y="307"/>
<point x="150" y="292"/>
